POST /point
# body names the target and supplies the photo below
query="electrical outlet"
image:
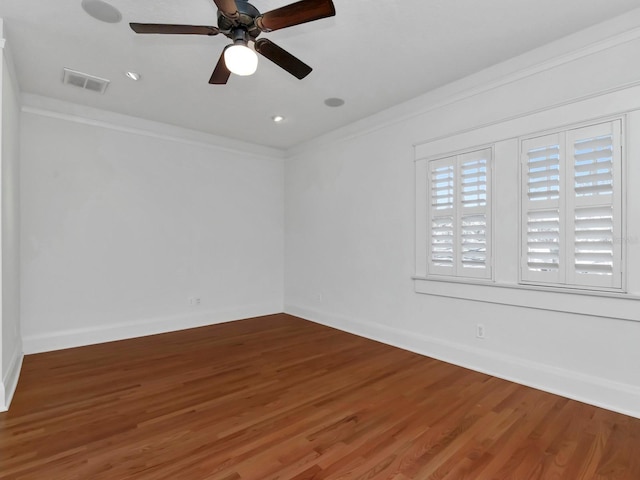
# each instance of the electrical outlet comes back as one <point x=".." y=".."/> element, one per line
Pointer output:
<point x="480" y="330"/>
<point x="194" y="301"/>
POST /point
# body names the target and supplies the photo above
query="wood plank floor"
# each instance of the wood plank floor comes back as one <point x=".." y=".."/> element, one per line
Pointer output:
<point x="281" y="398"/>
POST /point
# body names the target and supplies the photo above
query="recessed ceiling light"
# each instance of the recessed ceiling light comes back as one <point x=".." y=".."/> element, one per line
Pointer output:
<point x="277" y="118"/>
<point x="133" y="76"/>
<point x="334" y="102"/>
<point x="101" y="11"/>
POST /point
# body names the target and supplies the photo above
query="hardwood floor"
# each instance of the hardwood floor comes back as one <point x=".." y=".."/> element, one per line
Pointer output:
<point x="281" y="398"/>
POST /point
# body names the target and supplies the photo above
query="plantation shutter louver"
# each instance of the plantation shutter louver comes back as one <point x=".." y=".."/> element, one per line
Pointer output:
<point x="459" y="227"/>
<point x="474" y="213"/>
<point x="571" y="207"/>
<point x="542" y="209"/>
<point x="594" y="206"/>
<point x="442" y="213"/>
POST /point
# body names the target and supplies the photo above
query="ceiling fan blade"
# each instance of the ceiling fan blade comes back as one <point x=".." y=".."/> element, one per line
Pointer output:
<point x="228" y="8"/>
<point x="173" y="29"/>
<point x="282" y="58"/>
<point x="221" y="73"/>
<point x="295" y="14"/>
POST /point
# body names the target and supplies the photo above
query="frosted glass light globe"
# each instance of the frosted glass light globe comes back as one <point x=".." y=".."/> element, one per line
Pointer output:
<point x="241" y="60"/>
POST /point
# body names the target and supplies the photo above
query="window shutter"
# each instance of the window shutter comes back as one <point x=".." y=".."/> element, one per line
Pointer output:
<point x="594" y="206"/>
<point x="542" y="234"/>
<point x="474" y="214"/>
<point x="572" y="207"/>
<point x="442" y="214"/>
<point x="459" y="215"/>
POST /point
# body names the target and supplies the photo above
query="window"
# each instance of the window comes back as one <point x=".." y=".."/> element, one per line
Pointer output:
<point x="459" y="226"/>
<point x="571" y="215"/>
<point x="561" y="219"/>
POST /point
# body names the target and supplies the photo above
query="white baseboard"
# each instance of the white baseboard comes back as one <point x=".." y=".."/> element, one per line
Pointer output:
<point x="598" y="391"/>
<point x="10" y="380"/>
<point x="45" y="342"/>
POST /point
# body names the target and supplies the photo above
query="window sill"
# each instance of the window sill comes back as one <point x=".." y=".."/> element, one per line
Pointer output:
<point x="622" y="306"/>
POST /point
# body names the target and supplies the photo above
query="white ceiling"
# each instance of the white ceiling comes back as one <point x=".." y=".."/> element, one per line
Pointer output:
<point x="374" y="54"/>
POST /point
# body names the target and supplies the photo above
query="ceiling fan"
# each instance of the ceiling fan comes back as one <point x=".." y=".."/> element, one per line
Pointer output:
<point x="242" y="23"/>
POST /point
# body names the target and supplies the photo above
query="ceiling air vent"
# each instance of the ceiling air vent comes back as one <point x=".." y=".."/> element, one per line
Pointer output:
<point x="84" y="80"/>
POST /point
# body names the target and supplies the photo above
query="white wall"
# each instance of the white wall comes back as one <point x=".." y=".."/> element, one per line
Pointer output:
<point x="350" y="216"/>
<point x="122" y="225"/>
<point x="11" y="344"/>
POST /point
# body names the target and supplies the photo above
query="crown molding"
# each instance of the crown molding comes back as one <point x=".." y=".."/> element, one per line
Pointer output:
<point x="607" y="35"/>
<point x="53" y="108"/>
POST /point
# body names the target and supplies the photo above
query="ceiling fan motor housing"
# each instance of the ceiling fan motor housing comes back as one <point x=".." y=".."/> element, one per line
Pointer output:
<point x="246" y="20"/>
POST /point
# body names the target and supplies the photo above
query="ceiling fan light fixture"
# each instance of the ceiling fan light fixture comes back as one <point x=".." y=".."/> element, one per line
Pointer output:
<point x="242" y="23"/>
<point x="241" y="60"/>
